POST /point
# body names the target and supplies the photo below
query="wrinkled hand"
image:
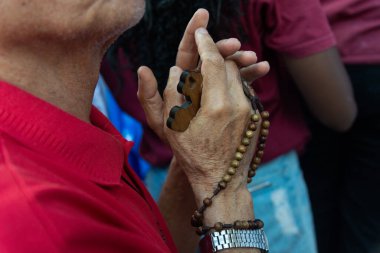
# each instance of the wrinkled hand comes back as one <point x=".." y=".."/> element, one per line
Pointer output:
<point x="187" y="59"/>
<point x="206" y="148"/>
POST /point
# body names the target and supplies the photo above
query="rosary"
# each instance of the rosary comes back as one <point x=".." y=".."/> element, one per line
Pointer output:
<point x="190" y="86"/>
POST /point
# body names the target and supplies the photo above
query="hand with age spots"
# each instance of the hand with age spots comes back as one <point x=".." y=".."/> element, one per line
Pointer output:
<point x="204" y="151"/>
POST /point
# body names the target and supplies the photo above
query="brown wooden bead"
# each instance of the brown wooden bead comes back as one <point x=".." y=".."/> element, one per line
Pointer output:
<point x="231" y="171"/>
<point x="259" y="224"/>
<point x="227" y="178"/>
<point x="207" y="202"/>
<point x="198" y="215"/>
<point x="242" y="149"/>
<point x="251" y="173"/>
<point x="235" y="164"/>
<point x="239" y="156"/>
<point x="262" y="139"/>
<point x="257" y="160"/>
<point x="261" y="146"/>
<point x="252" y="127"/>
<point x="245" y="141"/>
<point x="249" y="180"/>
<point x="222" y="185"/>
<point x="237" y="224"/>
<point x="245" y="225"/>
<point x="254" y="166"/>
<point x="255" y="118"/>
<point x="260" y="153"/>
<point x="265" y="115"/>
<point x="218" y="226"/>
<point x="266" y="124"/>
<point x="249" y="134"/>
<point x="264" y="132"/>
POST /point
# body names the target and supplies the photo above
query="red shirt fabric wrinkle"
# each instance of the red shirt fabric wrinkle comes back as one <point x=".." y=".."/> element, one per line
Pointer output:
<point x="356" y="25"/>
<point x="61" y="186"/>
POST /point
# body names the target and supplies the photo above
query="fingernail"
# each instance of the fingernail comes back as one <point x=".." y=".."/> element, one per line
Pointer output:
<point x="202" y="30"/>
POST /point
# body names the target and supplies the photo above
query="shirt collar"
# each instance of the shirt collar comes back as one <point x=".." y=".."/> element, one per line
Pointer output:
<point x="96" y="151"/>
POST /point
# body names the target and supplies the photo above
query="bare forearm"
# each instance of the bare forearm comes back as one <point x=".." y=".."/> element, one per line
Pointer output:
<point x="326" y="88"/>
<point x="177" y="204"/>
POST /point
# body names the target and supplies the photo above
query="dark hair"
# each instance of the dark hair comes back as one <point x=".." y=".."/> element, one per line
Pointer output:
<point x="153" y="42"/>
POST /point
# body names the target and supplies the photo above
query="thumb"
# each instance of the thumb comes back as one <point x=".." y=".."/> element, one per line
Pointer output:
<point x="150" y="100"/>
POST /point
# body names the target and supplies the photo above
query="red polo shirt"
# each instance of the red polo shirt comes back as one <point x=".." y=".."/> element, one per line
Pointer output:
<point x="66" y="186"/>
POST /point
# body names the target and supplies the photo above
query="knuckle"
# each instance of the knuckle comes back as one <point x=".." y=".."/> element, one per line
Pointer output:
<point x="220" y="110"/>
<point x="244" y="110"/>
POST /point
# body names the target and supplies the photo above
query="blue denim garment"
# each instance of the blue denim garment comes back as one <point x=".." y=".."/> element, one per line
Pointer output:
<point x="280" y="200"/>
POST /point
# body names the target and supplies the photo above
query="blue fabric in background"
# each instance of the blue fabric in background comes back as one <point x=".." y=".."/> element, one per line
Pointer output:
<point x="130" y="128"/>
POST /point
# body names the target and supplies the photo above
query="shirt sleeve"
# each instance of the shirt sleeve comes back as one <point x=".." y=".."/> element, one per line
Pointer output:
<point x="296" y="28"/>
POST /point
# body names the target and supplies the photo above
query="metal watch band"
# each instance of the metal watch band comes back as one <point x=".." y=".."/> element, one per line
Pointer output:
<point x="231" y="238"/>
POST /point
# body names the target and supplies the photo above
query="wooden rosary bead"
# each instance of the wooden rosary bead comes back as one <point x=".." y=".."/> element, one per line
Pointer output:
<point x="249" y="180"/>
<point x="255" y="118"/>
<point x="227" y="178"/>
<point x="242" y="149"/>
<point x="261" y="146"/>
<point x="251" y="173"/>
<point x="245" y="225"/>
<point x="252" y="127"/>
<point x="237" y="224"/>
<point x="266" y="124"/>
<point x="222" y="185"/>
<point x="249" y="134"/>
<point x="231" y="171"/>
<point x="257" y="160"/>
<point x="260" y="153"/>
<point x="198" y="215"/>
<point x="245" y="141"/>
<point x="265" y="115"/>
<point x="218" y="226"/>
<point x="262" y="139"/>
<point x="207" y="202"/>
<point x="264" y="132"/>
<point x="239" y="156"/>
<point x="254" y="166"/>
<point x="259" y="224"/>
<point x="235" y="164"/>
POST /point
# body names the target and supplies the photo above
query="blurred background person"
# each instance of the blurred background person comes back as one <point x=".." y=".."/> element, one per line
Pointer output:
<point x="343" y="170"/>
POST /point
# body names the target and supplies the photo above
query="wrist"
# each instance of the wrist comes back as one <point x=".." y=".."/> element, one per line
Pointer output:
<point x="228" y="207"/>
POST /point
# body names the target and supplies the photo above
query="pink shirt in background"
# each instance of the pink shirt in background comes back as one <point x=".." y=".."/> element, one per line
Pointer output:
<point x="356" y="25"/>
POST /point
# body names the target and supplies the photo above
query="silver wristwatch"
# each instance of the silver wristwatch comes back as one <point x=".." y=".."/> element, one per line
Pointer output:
<point x="231" y="238"/>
